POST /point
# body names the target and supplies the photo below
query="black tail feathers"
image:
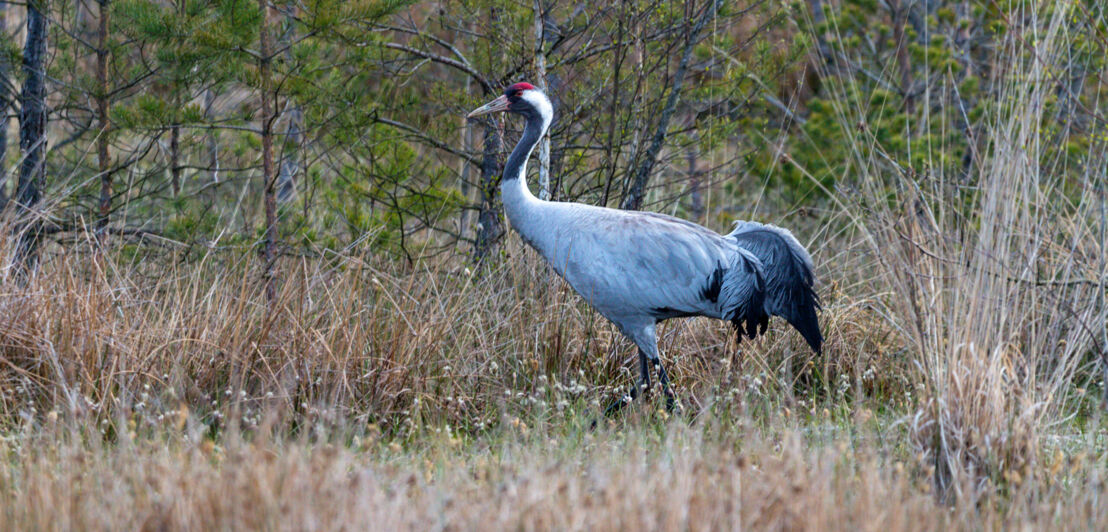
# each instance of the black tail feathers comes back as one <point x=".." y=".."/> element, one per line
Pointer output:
<point x="747" y="307"/>
<point x="789" y="281"/>
<point x="803" y="318"/>
<point x="751" y="326"/>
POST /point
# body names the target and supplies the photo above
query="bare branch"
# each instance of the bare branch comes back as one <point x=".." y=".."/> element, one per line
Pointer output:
<point x="485" y="84"/>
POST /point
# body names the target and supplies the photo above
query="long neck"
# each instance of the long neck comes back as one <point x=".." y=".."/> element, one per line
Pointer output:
<point x="524" y="210"/>
<point x="516" y="167"/>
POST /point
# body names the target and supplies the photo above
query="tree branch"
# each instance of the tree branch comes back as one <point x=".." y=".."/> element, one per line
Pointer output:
<point x="485" y="84"/>
<point x="426" y="139"/>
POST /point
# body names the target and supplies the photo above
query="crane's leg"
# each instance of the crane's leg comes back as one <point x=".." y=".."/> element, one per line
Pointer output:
<point x="648" y="353"/>
<point x="643" y="386"/>
<point x="671" y="400"/>
<point x="647" y="342"/>
<point x="640" y="386"/>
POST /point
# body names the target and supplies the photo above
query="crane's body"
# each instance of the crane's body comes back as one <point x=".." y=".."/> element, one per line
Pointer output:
<point x="640" y="268"/>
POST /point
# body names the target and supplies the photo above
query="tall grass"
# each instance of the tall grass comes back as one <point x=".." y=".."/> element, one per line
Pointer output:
<point x="105" y="340"/>
<point x="999" y="278"/>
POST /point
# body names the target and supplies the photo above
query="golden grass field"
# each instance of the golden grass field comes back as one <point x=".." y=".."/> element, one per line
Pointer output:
<point x="138" y="398"/>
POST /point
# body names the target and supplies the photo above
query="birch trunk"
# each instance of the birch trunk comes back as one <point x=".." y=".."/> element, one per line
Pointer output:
<point x="540" y="79"/>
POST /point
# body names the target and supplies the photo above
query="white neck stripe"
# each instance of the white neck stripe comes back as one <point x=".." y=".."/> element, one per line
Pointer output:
<point x="541" y="103"/>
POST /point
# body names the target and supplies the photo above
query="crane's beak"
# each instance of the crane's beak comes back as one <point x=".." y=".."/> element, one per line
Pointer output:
<point x="496" y="106"/>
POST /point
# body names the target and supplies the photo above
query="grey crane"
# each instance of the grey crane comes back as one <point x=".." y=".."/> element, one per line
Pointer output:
<point x="640" y="268"/>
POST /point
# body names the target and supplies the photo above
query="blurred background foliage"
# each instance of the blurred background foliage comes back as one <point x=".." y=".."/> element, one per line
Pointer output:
<point x="363" y="104"/>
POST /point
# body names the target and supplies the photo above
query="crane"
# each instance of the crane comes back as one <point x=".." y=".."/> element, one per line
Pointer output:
<point x="640" y="268"/>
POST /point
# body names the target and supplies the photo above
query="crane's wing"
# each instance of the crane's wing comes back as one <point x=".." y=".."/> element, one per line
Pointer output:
<point x="790" y="291"/>
<point x="644" y="265"/>
<point x="731" y="288"/>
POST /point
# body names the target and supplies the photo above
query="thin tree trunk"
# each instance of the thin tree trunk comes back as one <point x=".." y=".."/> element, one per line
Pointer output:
<point x="213" y="141"/>
<point x="463" y="182"/>
<point x="695" y="195"/>
<point x="818" y="18"/>
<point x="540" y="78"/>
<point x="903" y="61"/>
<point x="82" y="12"/>
<point x="557" y="163"/>
<point x="269" y="179"/>
<point x="175" y="133"/>
<point x="175" y="159"/>
<point x="103" y="156"/>
<point x="290" y="154"/>
<point x="32" y="136"/>
<point x="557" y="154"/>
<point x="290" y="162"/>
<point x="489" y="226"/>
<point x="636" y="194"/>
<point x="467" y="140"/>
<point x="612" y="145"/>
<point x="5" y="105"/>
<point x="1101" y="293"/>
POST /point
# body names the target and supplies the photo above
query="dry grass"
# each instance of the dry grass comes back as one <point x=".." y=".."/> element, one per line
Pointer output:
<point x="98" y="341"/>
<point x="655" y="476"/>
<point x="434" y="399"/>
<point x="1001" y="284"/>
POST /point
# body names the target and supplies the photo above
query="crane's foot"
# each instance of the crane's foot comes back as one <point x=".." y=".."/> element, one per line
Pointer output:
<point x="642" y="387"/>
<point x="616" y="406"/>
<point x="672" y="405"/>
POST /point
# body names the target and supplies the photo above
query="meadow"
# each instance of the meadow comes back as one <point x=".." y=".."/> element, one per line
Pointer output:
<point x="445" y="400"/>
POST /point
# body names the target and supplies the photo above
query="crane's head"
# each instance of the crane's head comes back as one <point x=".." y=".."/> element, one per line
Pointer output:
<point x="521" y="98"/>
